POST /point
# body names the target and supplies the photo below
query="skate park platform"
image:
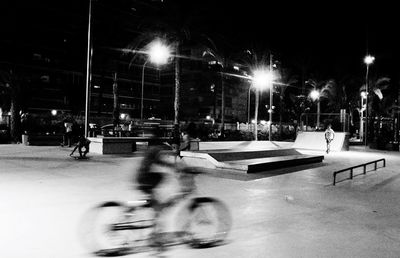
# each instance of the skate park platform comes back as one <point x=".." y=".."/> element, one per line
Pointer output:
<point x="248" y="157"/>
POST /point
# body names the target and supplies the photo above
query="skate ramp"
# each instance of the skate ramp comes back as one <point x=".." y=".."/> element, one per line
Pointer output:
<point x="316" y="141"/>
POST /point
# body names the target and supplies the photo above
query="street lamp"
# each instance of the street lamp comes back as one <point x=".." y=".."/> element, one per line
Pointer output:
<point x="363" y="96"/>
<point x="261" y="79"/>
<point x="368" y="60"/>
<point x="315" y="94"/>
<point x="158" y="54"/>
<point x="88" y="70"/>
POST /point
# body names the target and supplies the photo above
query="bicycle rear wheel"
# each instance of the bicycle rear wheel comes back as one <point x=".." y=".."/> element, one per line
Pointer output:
<point x="206" y="223"/>
<point x="115" y="229"/>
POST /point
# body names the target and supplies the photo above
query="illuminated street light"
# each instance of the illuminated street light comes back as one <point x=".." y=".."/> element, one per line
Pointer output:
<point x="261" y="79"/>
<point x="363" y="95"/>
<point x="123" y="116"/>
<point x="368" y="60"/>
<point x="54" y="112"/>
<point x="315" y="94"/>
<point x="158" y="54"/>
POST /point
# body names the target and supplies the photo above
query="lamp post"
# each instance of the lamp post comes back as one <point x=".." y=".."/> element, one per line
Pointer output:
<point x="88" y="70"/>
<point x="261" y="79"/>
<point x="248" y="105"/>
<point x="368" y="60"/>
<point x="271" y="94"/>
<point x="141" y="99"/>
<point x="158" y="53"/>
<point x="315" y="94"/>
<point x="363" y="96"/>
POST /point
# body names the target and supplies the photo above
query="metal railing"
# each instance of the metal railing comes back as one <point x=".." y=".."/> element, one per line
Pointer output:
<point x="375" y="162"/>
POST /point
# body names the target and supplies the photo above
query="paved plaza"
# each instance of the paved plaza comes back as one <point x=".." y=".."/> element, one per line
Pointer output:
<point x="294" y="212"/>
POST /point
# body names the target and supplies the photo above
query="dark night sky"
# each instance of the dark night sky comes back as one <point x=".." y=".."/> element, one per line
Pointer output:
<point x="331" y="37"/>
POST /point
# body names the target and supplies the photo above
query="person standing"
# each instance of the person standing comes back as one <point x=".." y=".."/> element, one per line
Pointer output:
<point x="329" y="136"/>
<point x="68" y="133"/>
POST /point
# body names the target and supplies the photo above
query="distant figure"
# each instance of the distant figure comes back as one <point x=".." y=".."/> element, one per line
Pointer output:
<point x="185" y="141"/>
<point x="329" y="136"/>
<point x="68" y="133"/>
<point x="83" y="143"/>
<point x="131" y="127"/>
<point x="92" y="129"/>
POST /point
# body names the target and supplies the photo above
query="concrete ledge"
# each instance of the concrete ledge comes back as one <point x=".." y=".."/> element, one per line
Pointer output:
<point x="112" y="145"/>
<point x="263" y="164"/>
<point x="248" y="161"/>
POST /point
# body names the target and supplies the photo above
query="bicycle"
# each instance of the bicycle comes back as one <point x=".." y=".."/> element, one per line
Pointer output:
<point x="204" y="222"/>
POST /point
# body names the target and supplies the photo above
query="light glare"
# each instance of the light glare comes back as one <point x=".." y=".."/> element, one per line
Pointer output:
<point x="159" y="53"/>
<point x="262" y="78"/>
<point x="363" y="95"/>
<point x="314" y="94"/>
<point x="369" y="59"/>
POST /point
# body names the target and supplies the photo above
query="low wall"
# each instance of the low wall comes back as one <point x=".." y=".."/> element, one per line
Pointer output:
<point x="42" y="140"/>
<point x="316" y="141"/>
<point x="112" y="145"/>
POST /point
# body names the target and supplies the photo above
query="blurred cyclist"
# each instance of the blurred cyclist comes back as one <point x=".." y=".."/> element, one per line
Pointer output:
<point x="149" y="177"/>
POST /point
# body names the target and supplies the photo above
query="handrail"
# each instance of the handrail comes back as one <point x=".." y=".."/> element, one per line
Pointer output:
<point x="362" y="165"/>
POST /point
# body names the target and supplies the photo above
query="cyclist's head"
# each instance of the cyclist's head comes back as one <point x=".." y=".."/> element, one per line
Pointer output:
<point x="153" y="153"/>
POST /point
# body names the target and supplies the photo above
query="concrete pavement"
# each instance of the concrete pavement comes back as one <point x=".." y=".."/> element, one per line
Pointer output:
<point x="285" y="213"/>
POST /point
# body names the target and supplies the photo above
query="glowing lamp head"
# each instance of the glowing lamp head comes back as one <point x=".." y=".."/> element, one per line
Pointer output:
<point x="314" y="95"/>
<point x="369" y="59"/>
<point x="363" y="95"/>
<point x="262" y="78"/>
<point x="123" y="116"/>
<point x="159" y="53"/>
<point x="54" y="112"/>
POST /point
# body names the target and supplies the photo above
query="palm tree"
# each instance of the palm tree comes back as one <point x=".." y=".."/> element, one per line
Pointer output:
<point x="380" y="104"/>
<point x="213" y="53"/>
<point x="286" y="79"/>
<point x="173" y="25"/>
<point x="328" y="93"/>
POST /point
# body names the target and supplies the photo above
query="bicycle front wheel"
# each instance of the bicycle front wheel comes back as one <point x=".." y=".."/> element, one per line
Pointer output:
<point x="114" y="229"/>
<point x="206" y="223"/>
